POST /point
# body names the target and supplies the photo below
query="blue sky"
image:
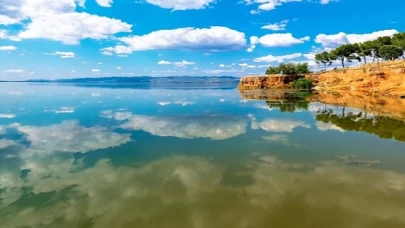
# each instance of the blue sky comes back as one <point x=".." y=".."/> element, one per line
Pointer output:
<point x="95" y="38"/>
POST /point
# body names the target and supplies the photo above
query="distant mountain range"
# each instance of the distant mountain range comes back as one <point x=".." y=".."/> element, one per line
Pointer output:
<point x="147" y="82"/>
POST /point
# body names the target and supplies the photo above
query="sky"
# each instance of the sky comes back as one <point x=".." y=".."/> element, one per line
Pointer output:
<point x="51" y="39"/>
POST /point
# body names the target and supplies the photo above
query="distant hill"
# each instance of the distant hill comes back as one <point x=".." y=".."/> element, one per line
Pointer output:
<point x="222" y="82"/>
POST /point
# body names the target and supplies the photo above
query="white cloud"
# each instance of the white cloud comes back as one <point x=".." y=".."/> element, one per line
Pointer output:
<point x="254" y="40"/>
<point x="64" y="55"/>
<point x="187" y="127"/>
<point x="281" y="40"/>
<point x="215" y="38"/>
<point x="334" y="40"/>
<point x="324" y="2"/>
<point x="281" y="58"/>
<point x="222" y="65"/>
<point x="96" y="70"/>
<point x="118" y="68"/>
<point x="247" y="66"/>
<point x="181" y="4"/>
<point x="7" y="115"/>
<point x="58" y="21"/>
<point x="183" y="63"/>
<point x="276" y="26"/>
<point x="15" y="71"/>
<point x="8" y="48"/>
<point x="164" y="62"/>
<point x="267" y="5"/>
<point x="105" y="3"/>
<point x="70" y="28"/>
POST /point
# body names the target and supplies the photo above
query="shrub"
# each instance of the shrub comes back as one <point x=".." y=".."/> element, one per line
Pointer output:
<point x="302" y="83"/>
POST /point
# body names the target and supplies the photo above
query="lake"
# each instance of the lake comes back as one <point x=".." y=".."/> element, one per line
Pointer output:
<point x="74" y="156"/>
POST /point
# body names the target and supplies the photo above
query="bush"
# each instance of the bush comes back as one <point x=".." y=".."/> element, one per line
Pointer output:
<point x="302" y="83"/>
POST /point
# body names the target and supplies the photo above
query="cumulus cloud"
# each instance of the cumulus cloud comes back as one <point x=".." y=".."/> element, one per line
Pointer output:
<point x="8" y="48"/>
<point x="181" y="4"/>
<point x="276" y="26"/>
<point x="71" y="137"/>
<point x="281" y="40"/>
<point x="95" y="70"/>
<point x="187" y="127"/>
<point x="334" y="40"/>
<point x="215" y="38"/>
<point x="58" y="21"/>
<point x="70" y="28"/>
<point x="280" y="58"/>
<point x="276" y="40"/>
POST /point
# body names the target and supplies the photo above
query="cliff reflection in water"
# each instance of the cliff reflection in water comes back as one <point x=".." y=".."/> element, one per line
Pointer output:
<point x="383" y="126"/>
<point x="368" y="119"/>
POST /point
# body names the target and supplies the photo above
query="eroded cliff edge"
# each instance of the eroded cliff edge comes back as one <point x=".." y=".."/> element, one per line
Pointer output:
<point x="386" y="79"/>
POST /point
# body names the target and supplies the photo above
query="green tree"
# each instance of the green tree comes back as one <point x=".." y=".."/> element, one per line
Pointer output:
<point x="302" y="68"/>
<point x="273" y="70"/>
<point x="399" y="40"/>
<point x="345" y="53"/>
<point x="377" y="44"/>
<point x="323" y="58"/>
<point x="365" y="50"/>
<point x="288" y="68"/>
<point x="390" y="52"/>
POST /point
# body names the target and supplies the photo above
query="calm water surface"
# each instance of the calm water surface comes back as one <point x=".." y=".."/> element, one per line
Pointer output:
<point x="98" y="157"/>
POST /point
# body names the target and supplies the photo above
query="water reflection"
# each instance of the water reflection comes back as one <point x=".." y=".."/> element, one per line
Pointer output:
<point x="215" y="127"/>
<point x="383" y="126"/>
<point x="98" y="157"/>
<point x="188" y="192"/>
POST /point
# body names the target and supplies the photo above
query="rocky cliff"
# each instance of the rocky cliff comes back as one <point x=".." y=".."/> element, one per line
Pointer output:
<point x="387" y="79"/>
<point x="267" y="82"/>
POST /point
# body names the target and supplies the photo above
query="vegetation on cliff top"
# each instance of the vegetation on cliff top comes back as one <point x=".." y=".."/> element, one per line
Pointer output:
<point x="289" y="69"/>
<point x="386" y="47"/>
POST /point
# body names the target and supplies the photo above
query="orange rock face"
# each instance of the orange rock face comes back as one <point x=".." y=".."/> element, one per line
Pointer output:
<point x="387" y="78"/>
<point x="267" y="82"/>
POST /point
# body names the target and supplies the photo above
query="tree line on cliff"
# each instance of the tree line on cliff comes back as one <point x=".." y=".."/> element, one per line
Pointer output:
<point x="386" y="47"/>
